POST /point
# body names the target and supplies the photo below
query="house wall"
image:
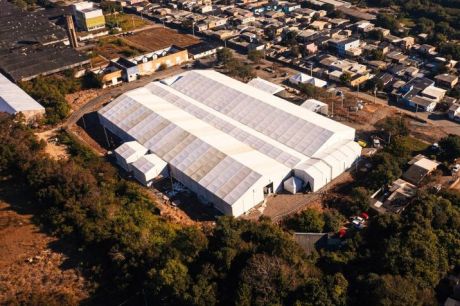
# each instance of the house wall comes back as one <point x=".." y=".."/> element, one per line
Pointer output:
<point x="169" y="60"/>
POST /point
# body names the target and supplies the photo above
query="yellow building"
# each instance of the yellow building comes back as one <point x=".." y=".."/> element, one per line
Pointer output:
<point x="358" y="79"/>
<point x="88" y="16"/>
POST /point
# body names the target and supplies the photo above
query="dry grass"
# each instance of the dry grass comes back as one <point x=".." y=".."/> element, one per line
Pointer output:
<point x="53" y="149"/>
<point x="160" y="38"/>
<point x="127" y="22"/>
<point x="28" y="265"/>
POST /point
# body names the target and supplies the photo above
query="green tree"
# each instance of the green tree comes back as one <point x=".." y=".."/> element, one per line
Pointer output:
<point x="389" y="290"/>
<point x="450" y="147"/>
<point x="360" y="197"/>
<point x="345" y="78"/>
<point x="309" y="220"/>
<point x="333" y="220"/>
<point x="256" y="55"/>
<point x="224" y="56"/>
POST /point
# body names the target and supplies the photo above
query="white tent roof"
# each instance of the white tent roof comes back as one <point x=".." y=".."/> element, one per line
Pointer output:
<point x="223" y="134"/>
<point x="130" y="148"/>
<point x="313" y="104"/>
<point x="148" y="162"/>
<point x="13" y="99"/>
<point x="265" y="85"/>
<point x="306" y="79"/>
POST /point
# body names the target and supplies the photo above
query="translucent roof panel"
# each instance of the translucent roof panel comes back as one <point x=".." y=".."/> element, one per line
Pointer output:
<point x="13" y="99"/>
<point x="217" y="172"/>
<point x="230" y="128"/>
<point x="265" y="85"/>
<point x="296" y="128"/>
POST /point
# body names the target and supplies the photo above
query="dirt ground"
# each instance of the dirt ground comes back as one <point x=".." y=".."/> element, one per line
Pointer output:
<point x="77" y="99"/>
<point x="52" y="148"/>
<point x="456" y="186"/>
<point x="28" y="261"/>
<point x="159" y="38"/>
<point x="279" y="206"/>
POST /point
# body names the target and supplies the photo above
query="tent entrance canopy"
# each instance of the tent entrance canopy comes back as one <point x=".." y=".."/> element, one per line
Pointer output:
<point x="293" y="185"/>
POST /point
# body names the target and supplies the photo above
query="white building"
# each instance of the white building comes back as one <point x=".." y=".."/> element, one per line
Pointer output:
<point x="454" y="112"/>
<point x="128" y="153"/>
<point x="266" y="86"/>
<point x="149" y="167"/>
<point x="88" y="16"/>
<point x="302" y="78"/>
<point x="316" y="106"/>
<point x="14" y="100"/>
<point x="229" y="142"/>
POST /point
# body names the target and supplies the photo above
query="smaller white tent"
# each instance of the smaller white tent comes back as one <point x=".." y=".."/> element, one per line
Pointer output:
<point x="128" y="153"/>
<point x="266" y="86"/>
<point x="293" y="185"/>
<point x="302" y="78"/>
<point x="148" y="167"/>
<point x="325" y="166"/>
<point x="316" y="106"/>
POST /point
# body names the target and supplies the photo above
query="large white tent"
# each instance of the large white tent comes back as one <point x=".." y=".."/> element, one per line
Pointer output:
<point x="227" y="141"/>
<point x="14" y="100"/>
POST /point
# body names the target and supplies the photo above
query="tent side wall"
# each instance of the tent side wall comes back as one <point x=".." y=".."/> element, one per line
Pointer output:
<point x="107" y="124"/>
<point x="121" y="162"/>
<point x="140" y="176"/>
<point x="251" y="198"/>
<point x="201" y="192"/>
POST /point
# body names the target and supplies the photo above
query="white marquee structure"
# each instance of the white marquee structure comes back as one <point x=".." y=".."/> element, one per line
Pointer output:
<point x="229" y="142"/>
<point x="128" y="153"/>
<point x="14" y="100"/>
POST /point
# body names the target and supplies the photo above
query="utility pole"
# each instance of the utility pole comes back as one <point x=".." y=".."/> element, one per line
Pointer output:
<point x="375" y="94"/>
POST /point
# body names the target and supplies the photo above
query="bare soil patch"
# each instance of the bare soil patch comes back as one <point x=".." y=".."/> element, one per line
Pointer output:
<point x="77" y="99"/>
<point x="29" y="265"/>
<point x="53" y="149"/>
<point x="160" y="38"/>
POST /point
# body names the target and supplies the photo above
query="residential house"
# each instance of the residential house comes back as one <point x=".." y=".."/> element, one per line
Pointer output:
<point x="396" y="56"/>
<point x="446" y="80"/>
<point x="427" y="49"/>
<point x="393" y="199"/>
<point x="420" y="167"/>
<point x="346" y="44"/>
<point x="454" y="112"/>
<point x="151" y="62"/>
<point x="358" y="79"/>
<point x="203" y="49"/>
<point x="421" y="94"/>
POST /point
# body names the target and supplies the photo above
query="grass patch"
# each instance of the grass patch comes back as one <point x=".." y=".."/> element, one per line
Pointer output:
<point x="125" y="21"/>
<point x="111" y="48"/>
<point x="414" y="145"/>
